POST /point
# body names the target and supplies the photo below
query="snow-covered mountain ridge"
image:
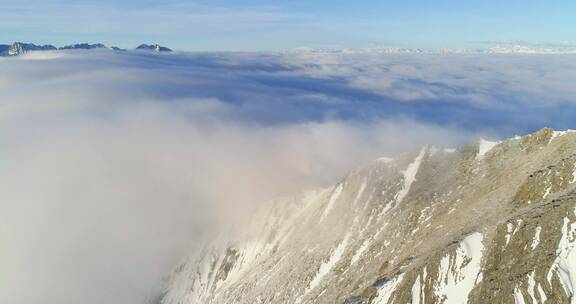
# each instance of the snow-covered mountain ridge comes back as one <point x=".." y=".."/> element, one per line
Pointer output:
<point x="493" y="222"/>
<point x="498" y="49"/>
<point x="19" y="48"/>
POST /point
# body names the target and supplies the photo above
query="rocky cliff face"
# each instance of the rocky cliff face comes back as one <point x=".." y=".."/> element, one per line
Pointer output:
<point x="486" y="223"/>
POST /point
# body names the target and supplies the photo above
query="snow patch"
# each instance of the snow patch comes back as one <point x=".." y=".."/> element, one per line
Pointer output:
<point x="536" y="239"/>
<point x="547" y="192"/>
<point x="410" y="175"/>
<point x="333" y="198"/>
<point x="416" y="291"/>
<point x="532" y="287"/>
<point x="509" y="228"/>
<point x="360" y="251"/>
<point x="560" y="133"/>
<point x="385" y="292"/>
<point x="458" y="272"/>
<point x="385" y="209"/>
<point x="425" y="215"/>
<point x="565" y="264"/>
<point x="542" y="294"/>
<point x="484" y="146"/>
<point x="197" y="276"/>
<point x="360" y="192"/>
<point x="518" y="297"/>
<point x="328" y="265"/>
<point x="518" y="225"/>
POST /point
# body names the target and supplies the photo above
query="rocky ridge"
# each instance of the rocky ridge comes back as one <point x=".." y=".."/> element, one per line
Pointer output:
<point x="493" y="222"/>
<point x="19" y="48"/>
<point x="153" y="47"/>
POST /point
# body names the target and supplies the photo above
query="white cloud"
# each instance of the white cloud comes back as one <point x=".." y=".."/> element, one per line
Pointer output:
<point x="115" y="165"/>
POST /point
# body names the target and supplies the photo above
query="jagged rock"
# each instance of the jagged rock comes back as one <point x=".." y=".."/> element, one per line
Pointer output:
<point x="19" y="48"/>
<point x="381" y="281"/>
<point x="486" y="223"/>
<point x="84" y="46"/>
<point x="4" y="49"/>
<point x="153" y="47"/>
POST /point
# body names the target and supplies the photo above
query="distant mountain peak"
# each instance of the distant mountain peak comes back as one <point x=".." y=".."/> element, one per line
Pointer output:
<point x="20" y="48"/>
<point x="499" y="49"/>
<point x="153" y="47"/>
<point x="84" y="46"/>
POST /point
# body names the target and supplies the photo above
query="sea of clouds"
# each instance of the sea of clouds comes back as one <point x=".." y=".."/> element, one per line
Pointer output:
<point x="115" y="165"/>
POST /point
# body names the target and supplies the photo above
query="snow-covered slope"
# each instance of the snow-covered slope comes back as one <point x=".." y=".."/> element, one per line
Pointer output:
<point x="487" y="223"/>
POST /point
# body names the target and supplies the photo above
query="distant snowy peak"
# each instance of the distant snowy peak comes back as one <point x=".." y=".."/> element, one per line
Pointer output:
<point x="84" y="46"/>
<point x="153" y="47"/>
<point x="20" y="48"/>
<point x="523" y="49"/>
<point x="499" y="49"/>
<point x="377" y="50"/>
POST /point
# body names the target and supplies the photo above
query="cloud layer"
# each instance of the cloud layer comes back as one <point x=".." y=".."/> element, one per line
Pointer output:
<point x="116" y="165"/>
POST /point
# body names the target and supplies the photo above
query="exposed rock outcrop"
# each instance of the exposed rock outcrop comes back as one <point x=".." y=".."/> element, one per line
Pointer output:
<point x="489" y="223"/>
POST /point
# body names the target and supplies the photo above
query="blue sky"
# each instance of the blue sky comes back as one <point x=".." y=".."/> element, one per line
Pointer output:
<point x="272" y="25"/>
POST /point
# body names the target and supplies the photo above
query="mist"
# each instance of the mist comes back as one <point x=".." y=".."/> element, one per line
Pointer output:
<point x="116" y="166"/>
